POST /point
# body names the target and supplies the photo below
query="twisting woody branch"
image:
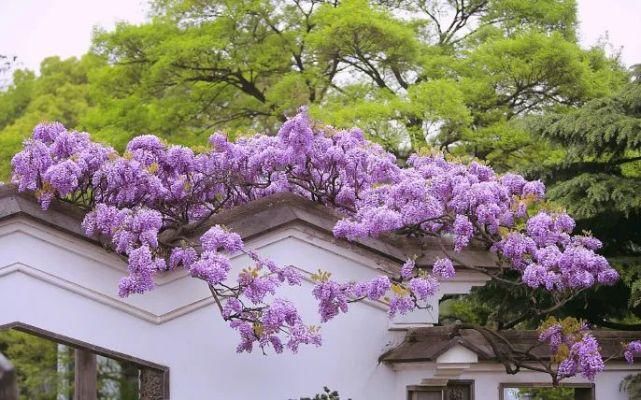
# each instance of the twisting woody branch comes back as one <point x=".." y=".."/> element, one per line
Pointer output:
<point x="150" y="202"/>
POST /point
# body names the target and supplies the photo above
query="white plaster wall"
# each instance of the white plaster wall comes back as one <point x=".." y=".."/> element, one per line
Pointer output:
<point x="456" y="355"/>
<point x="69" y="287"/>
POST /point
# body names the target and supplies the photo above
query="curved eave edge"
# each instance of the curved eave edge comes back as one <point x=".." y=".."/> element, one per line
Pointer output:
<point x="250" y="221"/>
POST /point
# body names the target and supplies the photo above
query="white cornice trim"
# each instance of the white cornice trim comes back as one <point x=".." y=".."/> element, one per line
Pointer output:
<point x="95" y="253"/>
<point x="20" y="268"/>
<point x="61" y="239"/>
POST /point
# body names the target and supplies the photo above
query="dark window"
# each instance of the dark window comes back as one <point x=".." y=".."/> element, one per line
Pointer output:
<point x="454" y="390"/>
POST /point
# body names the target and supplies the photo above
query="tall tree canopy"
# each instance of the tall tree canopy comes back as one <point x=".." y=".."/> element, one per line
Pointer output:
<point x="449" y="72"/>
<point x="598" y="180"/>
<point x="593" y="170"/>
<point x="60" y="93"/>
<point x="455" y="74"/>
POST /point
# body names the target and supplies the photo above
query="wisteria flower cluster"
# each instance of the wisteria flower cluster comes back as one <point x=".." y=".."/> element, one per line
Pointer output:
<point x="573" y="347"/>
<point x="152" y="205"/>
<point x="632" y="350"/>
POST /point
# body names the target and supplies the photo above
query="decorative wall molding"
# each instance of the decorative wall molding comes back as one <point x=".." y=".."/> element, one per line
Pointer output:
<point x="35" y="273"/>
<point x="298" y="233"/>
<point x="86" y="250"/>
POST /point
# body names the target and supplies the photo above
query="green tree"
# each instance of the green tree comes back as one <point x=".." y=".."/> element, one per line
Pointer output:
<point x="593" y="170"/>
<point x="558" y="393"/>
<point x="598" y="180"/>
<point x="453" y="74"/>
<point x="60" y="93"/>
<point x="636" y="72"/>
<point x="458" y="75"/>
<point x="35" y="360"/>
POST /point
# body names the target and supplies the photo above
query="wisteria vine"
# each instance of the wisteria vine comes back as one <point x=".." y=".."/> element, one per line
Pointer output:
<point x="152" y="205"/>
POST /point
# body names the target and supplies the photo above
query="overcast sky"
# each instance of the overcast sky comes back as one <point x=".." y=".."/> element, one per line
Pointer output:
<point x="35" y="29"/>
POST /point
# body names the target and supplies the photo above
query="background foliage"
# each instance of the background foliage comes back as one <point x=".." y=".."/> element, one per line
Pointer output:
<point x="44" y="373"/>
<point x="455" y="75"/>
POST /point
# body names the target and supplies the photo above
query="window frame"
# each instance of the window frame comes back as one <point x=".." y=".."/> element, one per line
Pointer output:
<point x="154" y="378"/>
<point x="516" y="385"/>
<point x="411" y="389"/>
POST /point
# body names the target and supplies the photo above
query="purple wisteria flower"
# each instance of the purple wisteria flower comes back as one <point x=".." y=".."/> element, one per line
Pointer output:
<point x="584" y="358"/>
<point x="407" y="269"/>
<point x="219" y="239"/>
<point x="154" y="205"/>
<point x="632" y="349"/>
<point x="444" y="269"/>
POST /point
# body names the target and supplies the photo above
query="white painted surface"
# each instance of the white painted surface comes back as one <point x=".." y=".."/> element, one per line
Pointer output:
<point x="68" y="286"/>
<point x="458" y="354"/>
